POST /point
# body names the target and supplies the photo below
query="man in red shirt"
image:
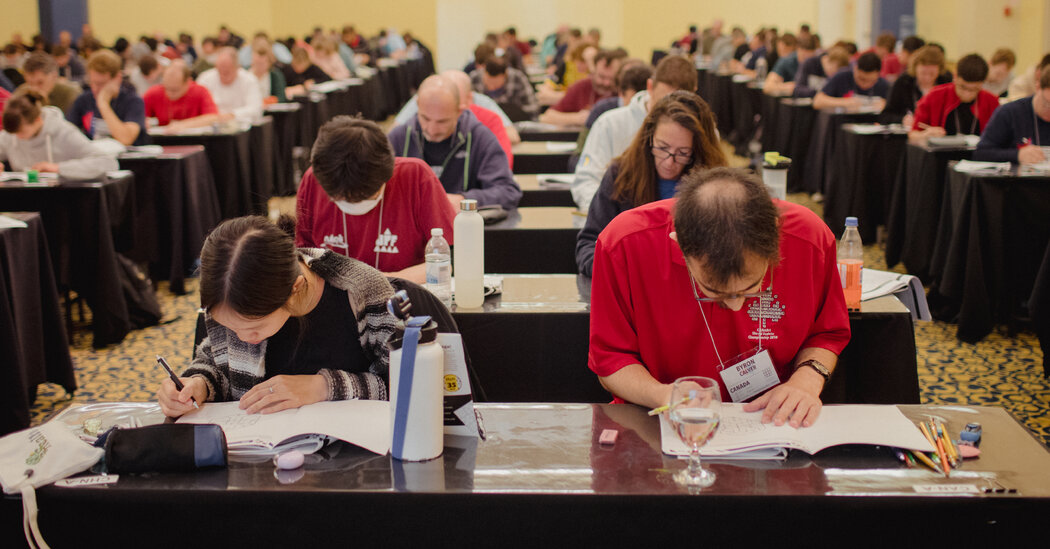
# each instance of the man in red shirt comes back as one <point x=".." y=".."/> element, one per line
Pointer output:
<point x="958" y="107"/>
<point x="761" y="274"/>
<point x="360" y="201"/>
<point x="180" y="103"/>
<point x="575" y="105"/>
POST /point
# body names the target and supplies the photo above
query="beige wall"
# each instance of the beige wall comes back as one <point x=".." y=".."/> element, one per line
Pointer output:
<point x="19" y="16"/>
<point x="291" y="17"/>
<point x="968" y="26"/>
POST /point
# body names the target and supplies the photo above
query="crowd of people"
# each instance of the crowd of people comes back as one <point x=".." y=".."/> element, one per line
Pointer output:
<point x="668" y="223"/>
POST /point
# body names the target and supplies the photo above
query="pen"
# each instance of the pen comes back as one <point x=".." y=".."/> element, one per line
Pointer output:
<point x="178" y="384"/>
<point x="665" y="407"/>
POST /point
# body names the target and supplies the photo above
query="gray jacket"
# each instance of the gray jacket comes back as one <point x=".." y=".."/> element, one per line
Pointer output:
<point x="77" y="157"/>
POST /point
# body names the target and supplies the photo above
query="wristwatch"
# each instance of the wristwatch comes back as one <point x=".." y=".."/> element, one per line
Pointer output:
<point x="818" y="367"/>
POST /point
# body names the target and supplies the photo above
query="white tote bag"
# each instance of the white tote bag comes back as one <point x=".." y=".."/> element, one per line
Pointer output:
<point x="38" y="456"/>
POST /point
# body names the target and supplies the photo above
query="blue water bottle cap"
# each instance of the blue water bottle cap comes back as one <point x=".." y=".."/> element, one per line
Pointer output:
<point x="851" y="221"/>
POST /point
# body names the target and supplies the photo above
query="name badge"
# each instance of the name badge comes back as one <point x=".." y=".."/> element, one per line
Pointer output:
<point x="438" y="170"/>
<point x="750" y="376"/>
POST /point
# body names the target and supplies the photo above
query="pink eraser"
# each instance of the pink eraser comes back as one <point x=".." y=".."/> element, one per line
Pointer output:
<point x="968" y="452"/>
<point x="608" y="436"/>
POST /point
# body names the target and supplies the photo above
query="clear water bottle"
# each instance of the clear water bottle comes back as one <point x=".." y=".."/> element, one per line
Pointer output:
<point x="439" y="267"/>
<point x="470" y="255"/>
<point x="851" y="261"/>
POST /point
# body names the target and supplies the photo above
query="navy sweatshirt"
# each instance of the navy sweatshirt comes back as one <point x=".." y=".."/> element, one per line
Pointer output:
<point x="1011" y="125"/>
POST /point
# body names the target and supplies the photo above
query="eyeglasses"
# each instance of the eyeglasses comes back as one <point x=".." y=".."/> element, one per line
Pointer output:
<point x="762" y="294"/>
<point x="663" y="153"/>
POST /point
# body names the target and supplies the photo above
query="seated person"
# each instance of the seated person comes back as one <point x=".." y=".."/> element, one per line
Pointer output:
<point x="959" y="107"/>
<point x="510" y="88"/>
<point x="270" y="78"/>
<point x="848" y="88"/>
<point x="41" y="74"/>
<point x="1000" y="74"/>
<point x="234" y="90"/>
<point x="301" y="74"/>
<point x="109" y="107"/>
<point x="476" y="98"/>
<point x="1025" y="84"/>
<point x="253" y="280"/>
<point x="632" y="78"/>
<point x="615" y="130"/>
<point x="180" y="103"/>
<point x="749" y="62"/>
<point x="926" y="69"/>
<point x="206" y="59"/>
<point x="909" y="46"/>
<point x="69" y="66"/>
<point x="146" y="74"/>
<point x="574" y="107"/>
<point x="781" y="78"/>
<point x="490" y="119"/>
<point x="885" y="44"/>
<point x="463" y="153"/>
<point x="677" y="136"/>
<point x="1019" y="130"/>
<point x="326" y="57"/>
<point x="38" y="137"/>
<point x="815" y="71"/>
<point x="353" y="171"/>
<point x="760" y="271"/>
<point x="280" y="53"/>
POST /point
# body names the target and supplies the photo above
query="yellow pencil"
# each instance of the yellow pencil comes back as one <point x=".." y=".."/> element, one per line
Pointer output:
<point x="665" y="407"/>
<point x="925" y="460"/>
<point x="953" y="453"/>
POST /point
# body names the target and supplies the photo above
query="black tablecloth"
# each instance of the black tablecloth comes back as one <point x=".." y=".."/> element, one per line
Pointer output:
<point x="533" y="157"/>
<point x="230" y="155"/>
<point x="372" y="107"/>
<point x="822" y="146"/>
<point x="176" y="206"/>
<point x="86" y="223"/>
<point x="519" y="244"/>
<point x="566" y="133"/>
<point x="314" y="113"/>
<point x="287" y="128"/>
<point x="716" y="89"/>
<point x="860" y="184"/>
<point x="915" y="210"/>
<point x="747" y="115"/>
<point x="992" y="236"/>
<point x="263" y="151"/>
<point x="32" y="334"/>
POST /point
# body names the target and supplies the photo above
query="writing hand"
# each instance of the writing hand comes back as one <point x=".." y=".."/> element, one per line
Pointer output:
<point x="1030" y="154"/>
<point x="284" y="392"/>
<point x="175" y="403"/>
<point x="46" y="167"/>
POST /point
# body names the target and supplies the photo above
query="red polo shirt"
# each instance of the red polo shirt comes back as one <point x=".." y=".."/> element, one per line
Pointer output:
<point x="643" y="310"/>
<point x="938" y="103"/>
<point x="195" y="102"/>
<point x="413" y="203"/>
<point x="580" y="96"/>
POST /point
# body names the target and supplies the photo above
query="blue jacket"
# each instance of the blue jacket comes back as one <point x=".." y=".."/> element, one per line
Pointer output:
<point x="478" y="167"/>
<point x="1012" y="125"/>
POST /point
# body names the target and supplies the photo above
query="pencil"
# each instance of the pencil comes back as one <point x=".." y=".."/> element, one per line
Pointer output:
<point x="953" y="453"/>
<point x="925" y="460"/>
<point x="665" y="407"/>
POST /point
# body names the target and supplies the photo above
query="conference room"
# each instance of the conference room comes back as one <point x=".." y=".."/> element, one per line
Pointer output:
<point x="524" y="199"/>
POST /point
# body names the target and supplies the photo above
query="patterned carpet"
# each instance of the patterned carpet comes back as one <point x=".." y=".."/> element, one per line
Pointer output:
<point x="999" y="371"/>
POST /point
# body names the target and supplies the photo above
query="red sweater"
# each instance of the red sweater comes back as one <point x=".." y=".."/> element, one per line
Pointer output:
<point x="494" y="123"/>
<point x="643" y="311"/>
<point x="938" y="103"/>
<point x="195" y="102"/>
<point x="413" y="203"/>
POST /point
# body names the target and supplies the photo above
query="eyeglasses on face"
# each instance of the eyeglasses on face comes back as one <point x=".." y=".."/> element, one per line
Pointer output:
<point x="663" y="153"/>
<point x="729" y="297"/>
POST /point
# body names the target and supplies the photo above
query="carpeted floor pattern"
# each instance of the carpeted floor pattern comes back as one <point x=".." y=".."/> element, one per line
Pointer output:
<point x="998" y="371"/>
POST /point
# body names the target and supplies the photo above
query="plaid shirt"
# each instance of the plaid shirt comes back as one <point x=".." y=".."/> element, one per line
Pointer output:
<point x="516" y="91"/>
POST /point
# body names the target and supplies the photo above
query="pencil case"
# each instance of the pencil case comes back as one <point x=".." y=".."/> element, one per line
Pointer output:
<point x="165" y="447"/>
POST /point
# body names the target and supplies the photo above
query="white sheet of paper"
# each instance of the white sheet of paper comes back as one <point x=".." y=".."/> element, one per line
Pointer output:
<point x="11" y="223"/>
<point x="561" y="146"/>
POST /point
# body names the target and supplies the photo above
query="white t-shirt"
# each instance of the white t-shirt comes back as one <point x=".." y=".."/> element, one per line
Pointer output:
<point x="241" y="97"/>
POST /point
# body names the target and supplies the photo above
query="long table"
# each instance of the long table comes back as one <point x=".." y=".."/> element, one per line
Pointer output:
<point x="537" y="157"/>
<point x="541" y="478"/>
<point x="535" y="193"/>
<point x="32" y="335"/>
<point x="863" y="172"/>
<point x="530" y="343"/>
<point x="534" y="240"/>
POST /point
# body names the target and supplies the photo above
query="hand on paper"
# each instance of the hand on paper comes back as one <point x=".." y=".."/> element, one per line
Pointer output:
<point x="1030" y="154"/>
<point x="175" y="403"/>
<point x="796" y="401"/>
<point x="284" y="392"/>
<point x="46" y="167"/>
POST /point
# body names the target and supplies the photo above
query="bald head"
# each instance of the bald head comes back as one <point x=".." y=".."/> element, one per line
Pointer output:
<point x="176" y="79"/>
<point x="463" y="86"/>
<point x="439" y="107"/>
<point x="226" y="65"/>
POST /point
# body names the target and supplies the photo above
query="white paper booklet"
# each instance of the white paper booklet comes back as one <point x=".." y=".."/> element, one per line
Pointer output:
<point x="740" y="432"/>
<point x="365" y="423"/>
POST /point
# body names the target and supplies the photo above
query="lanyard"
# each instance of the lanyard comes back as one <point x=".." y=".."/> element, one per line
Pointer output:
<point x="973" y="126"/>
<point x="1035" y="125"/>
<point x="710" y="334"/>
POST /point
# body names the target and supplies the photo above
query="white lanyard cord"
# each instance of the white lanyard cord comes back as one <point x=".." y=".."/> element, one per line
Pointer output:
<point x="692" y="284"/>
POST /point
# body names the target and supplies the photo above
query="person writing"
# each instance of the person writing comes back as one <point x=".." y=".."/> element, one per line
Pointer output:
<point x="677" y="135"/>
<point x="38" y="137"/>
<point x="926" y="70"/>
<point x="1019" y="131"/>
<point x="959" y="107"/>
<point x="109" y="107"/>
<point x="358" y="200"/>
<point x="846" y="89"/>
<point x="180" y="103"/>
<point x="286" y="327"/>
<point x="703" y="283"/>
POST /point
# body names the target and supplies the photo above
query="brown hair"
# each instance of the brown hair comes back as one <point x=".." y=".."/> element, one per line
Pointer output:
<point x="1004" y="55"/>
<point x="718" y="228"/>
<point x="926" y="55"/>
<point x="676" y="71"/>
<point x="23" y="107"/>
<point x="39" y="61"/>
<point x="248" y="264"/>
<point x="886" y="40"/>
<point x="352" y="158"/>
<point x="637" y="178"/>
<point x="839" y="56"/>
<point x="104" y="62"/>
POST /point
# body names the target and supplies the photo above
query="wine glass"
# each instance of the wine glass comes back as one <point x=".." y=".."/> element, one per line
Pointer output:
<point x="693" y="411"/>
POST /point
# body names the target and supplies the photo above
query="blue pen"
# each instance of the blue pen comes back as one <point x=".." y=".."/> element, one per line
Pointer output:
<point x="178" y="384"/>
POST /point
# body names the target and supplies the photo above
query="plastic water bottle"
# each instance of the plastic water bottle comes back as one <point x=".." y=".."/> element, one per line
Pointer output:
<point x="851" y="261"/>
<point x="469" y="260"/>
<point x="439" y="267"/>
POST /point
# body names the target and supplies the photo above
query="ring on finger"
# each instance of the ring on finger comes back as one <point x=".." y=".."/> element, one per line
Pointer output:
<point x="271" y="389"/>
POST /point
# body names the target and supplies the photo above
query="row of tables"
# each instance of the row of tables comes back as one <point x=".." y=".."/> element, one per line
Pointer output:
<point x="975" y="239"/>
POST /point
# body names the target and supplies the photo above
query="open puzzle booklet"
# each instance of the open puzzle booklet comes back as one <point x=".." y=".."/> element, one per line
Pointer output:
<point x="365" y="423"/>
<point x="742" y="435"/>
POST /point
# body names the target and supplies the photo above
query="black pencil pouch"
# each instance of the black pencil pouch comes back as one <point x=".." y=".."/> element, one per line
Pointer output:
<point x="165" y="447"/>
